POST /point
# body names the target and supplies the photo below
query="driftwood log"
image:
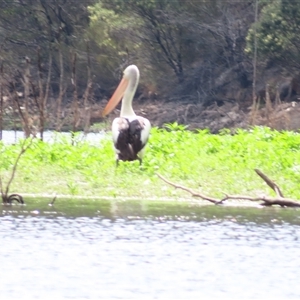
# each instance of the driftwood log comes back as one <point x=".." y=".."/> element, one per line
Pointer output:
<point x="264" y="200"/>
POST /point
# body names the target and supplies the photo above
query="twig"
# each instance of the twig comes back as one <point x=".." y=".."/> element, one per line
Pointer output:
<point x="75" y="96"/>
<point x="53" y="200"/>
<point x="270" y="183"/>
<point x="40" y="102"/>
<point x="26" y="82"/>
<point x="18" y="106"/>
<point x="5" y="197"/>
<point x="194" y="194"/>
<point x="1" y="99"/>
<point x="46" y="94"/>
<point x="86" y="105"/>
<point x="62" y="89"/>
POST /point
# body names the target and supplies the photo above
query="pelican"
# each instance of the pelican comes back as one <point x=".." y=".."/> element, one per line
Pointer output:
<point x="130" y="132"/>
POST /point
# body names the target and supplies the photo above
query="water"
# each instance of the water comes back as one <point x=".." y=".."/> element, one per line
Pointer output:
<point x="137" y="249"/>
<point x="10" y="136"/>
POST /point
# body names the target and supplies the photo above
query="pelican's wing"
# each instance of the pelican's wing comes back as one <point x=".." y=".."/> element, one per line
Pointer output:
<point x="119" y="129"/>
<point x="121" y="139"/>
<point x="146" y="130"/>
<point x="130" y="137"/>
<point x="139" y="130"/>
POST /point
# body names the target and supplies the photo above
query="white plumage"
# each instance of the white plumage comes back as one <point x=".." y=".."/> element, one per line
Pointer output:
<point x="130" y="132"/>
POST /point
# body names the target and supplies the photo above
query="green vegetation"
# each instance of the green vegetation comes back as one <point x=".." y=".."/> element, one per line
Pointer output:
<point x="54" y="53"/>
<point x="184" y="49"/>
<point x="209" y="163"/>
<point x="277" y="33"/>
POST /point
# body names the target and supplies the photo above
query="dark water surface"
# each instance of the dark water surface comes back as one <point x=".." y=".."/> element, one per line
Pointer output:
<point x="141" y="249"/>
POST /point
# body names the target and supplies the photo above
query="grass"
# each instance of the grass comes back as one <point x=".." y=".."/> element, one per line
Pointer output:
<point x="209" y="163"/>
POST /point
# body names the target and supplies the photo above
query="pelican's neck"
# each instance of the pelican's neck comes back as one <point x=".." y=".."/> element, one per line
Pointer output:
<point x="126" y="108"/>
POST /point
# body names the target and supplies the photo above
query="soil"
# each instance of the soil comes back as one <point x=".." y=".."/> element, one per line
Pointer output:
<point x="230" y="115"/>
<point x="226" y="114"/>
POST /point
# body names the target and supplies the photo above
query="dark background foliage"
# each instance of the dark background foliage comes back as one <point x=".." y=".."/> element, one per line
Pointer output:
<point x="190" y="51"/>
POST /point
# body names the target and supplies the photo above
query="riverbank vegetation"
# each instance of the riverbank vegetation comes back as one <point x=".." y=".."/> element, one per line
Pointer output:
<point x="208" y="163"/>
<point x="60" y="58"/>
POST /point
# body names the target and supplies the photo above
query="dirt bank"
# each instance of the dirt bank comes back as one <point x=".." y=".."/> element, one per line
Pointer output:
<point x="283" y="116"/>
<point x="224" y="114"/>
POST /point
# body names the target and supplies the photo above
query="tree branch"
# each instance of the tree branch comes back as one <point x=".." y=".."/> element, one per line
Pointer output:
<point x="194" y="194"/>
<point x="270" y="183"/>
<point x="6" y="198"/>
<point x="266" y="201"/>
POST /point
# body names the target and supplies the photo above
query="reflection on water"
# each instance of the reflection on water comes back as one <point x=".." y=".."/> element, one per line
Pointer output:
<point x="137" y="249"/>
<point x="10" y="136"/>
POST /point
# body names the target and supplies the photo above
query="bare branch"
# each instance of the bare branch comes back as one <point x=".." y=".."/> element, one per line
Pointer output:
<point x="270" y="183"/>
<point x="23" y="150"/>
<point x="75" y="95"/>
<point x="86" y="104"/>
<point x="266" y="201"/>
<point x="61" y="88"/>
<point x="194" y="194"/>
<point x="26" y="95"/>
<point x="1" y="99"/>
<point x="7" y="199"/>
<point x="18" y="107"/>
<point x="53" y="200"/>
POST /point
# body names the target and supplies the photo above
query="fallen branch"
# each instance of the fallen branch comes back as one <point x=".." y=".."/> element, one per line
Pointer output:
<point x="14" y="197"/>
<point x="270" y="183"/>
<point x="194" y="194"/>
<point x="266" y="201"/>
<point x="6" y="198"/>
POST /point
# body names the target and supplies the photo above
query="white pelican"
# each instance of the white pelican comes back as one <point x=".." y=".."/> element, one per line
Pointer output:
<point x="130" y="132"/>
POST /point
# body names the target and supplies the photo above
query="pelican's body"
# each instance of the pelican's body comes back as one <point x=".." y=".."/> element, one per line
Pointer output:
<point x="130" y="132"/>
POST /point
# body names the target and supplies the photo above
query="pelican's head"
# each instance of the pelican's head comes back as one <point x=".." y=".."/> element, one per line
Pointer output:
<point x="128" y="84"/>
<point x="131" y="71"/>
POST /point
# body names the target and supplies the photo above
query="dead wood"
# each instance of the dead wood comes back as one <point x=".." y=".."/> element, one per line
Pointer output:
<point x="40" y="102"/>
<point x="18" y="109"/>
<point x="25" y="114"/>
<point x="43" y="95"/>
<point x="194" y="194"/>
<point x="75" y="96"/>
<point x="6" y="198"/>
<point x="270" y="183"/>
<point x="86" y="103"/>
<point x="26" y="81"/>
<point x="53" y="200"/>
<point x="62" y="90"/>
<point x="265" y="200"/>
<point x="1" y="99"/>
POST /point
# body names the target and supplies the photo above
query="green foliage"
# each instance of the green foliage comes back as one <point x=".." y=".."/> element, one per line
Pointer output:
<point x="110" y="27"/>
<point x="148" y="31"/>
<point x="277" y="31"/>
<point x="180" y="46"/>
<point x="201" y="160"/>
<point x="106" y="24"/>
<point x="26" y="26"/>
<point x="176" y="127"/>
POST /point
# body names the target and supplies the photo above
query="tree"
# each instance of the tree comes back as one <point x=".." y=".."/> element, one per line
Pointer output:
<point x="26" y="26"/>
<point x="140" y="31"/>
<point x="278" y="34"/>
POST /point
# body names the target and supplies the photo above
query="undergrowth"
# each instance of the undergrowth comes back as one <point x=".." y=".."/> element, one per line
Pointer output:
<point x="210" y="163"/>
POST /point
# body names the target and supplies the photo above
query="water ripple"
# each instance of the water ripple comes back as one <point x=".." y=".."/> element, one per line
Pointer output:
<point x="159" y="257"/>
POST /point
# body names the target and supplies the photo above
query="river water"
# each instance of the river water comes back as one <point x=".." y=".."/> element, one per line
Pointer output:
<point x="10" y="136"/>
<point x="106" y="249"/>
